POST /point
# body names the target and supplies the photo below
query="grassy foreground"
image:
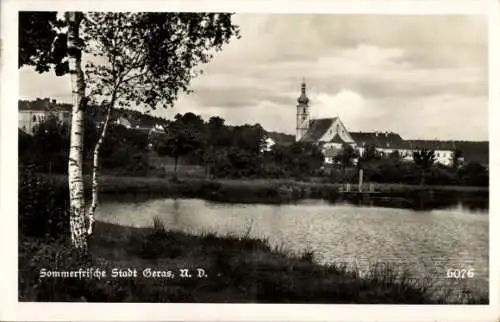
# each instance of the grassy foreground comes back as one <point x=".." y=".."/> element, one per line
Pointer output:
<point x="238" y="270"/>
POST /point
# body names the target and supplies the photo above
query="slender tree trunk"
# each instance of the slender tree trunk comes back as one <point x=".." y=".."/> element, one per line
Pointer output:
<point x="75" y="162"/>
<point x="95" y="170"/>
<point x="176" y="160"/>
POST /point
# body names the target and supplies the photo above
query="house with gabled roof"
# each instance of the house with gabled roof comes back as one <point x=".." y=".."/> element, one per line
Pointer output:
<point x="33" y="113"/>
<point x="384" y="142"/>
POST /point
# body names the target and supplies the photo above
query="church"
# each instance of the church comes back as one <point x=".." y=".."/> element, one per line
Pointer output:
<point x="331" y="134"/>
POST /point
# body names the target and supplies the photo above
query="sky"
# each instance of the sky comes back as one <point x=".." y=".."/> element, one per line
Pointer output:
<point x="421" y="76"/>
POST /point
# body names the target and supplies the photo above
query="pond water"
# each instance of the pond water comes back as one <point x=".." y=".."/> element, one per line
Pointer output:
<point x="425" y="242"/>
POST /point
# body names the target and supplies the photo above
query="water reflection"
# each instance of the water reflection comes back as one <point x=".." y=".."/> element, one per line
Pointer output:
<point x="419" y="202"/>
<point x="427" y="242"/>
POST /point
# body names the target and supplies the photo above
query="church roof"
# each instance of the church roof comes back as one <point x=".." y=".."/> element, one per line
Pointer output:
<point x="317" y="128"/>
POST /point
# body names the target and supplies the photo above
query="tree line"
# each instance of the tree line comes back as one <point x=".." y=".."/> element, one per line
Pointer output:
<point x="391" y="168"/>
<point x="226" y="151"/>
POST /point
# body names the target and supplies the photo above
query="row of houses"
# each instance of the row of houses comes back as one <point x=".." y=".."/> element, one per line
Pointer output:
<point x="33" y="113"/>
<point x="386" y="143"/>
<point x="331" y="135"/>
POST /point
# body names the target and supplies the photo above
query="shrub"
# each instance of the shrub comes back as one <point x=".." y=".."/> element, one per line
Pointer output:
<point x="42" y="206"/>
<point x="474" y="174"/>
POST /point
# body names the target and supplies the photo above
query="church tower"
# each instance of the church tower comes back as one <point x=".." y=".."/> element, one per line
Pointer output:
<point x="302" y="113"/>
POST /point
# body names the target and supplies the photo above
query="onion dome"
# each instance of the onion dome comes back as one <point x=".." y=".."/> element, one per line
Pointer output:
<point x="303" y="99"/>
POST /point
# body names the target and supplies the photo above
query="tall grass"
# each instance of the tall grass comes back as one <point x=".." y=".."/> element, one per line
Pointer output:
<point x="158" y="226"/>
<point x="240" y="270"/>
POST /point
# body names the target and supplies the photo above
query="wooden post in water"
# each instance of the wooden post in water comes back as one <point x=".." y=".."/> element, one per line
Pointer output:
<point x="360" y="184"/>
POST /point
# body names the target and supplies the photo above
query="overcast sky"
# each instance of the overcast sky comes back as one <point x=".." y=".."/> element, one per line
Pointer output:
<point x="420" y="76"/>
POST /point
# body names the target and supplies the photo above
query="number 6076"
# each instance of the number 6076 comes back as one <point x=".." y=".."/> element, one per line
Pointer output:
<point x="460" y="273"/>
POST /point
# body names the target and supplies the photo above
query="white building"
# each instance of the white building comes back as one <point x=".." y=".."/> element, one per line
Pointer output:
<point x="268" y="144"/>
<point x="32" y="113"/>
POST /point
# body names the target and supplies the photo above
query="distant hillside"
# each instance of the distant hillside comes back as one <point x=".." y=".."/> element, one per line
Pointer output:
<point x="136" y="118"/>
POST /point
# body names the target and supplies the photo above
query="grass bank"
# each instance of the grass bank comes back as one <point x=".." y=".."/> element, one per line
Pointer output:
<point x="282" y="191"/>
<point x="237" y="270"/>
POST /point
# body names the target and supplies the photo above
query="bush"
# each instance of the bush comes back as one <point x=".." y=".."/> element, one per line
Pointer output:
<point x="474" y="174"/>
<point x="441" y="175"/>
<point x="36" y="255"/>
<point x="43" y="207"/>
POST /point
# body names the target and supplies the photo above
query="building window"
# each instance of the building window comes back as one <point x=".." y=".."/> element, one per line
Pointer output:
<point x="304" y="110"/>
<point x="34" y="118"/>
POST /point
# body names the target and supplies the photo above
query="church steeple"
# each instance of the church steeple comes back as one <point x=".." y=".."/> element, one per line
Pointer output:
<point x="302" y="112"/>
<point x="303" y="99"/>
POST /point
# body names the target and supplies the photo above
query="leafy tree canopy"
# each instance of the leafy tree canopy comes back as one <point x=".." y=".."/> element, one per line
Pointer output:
<point x="424" y="158"/>
<point x="149" y="58"/>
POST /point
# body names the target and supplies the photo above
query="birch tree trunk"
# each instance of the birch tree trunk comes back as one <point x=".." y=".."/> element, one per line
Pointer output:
<point x="75" y="162"/>
<point x="95" y="170"/>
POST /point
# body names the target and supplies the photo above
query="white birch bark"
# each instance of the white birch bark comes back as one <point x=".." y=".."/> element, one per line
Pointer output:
<point x="95" y="170"/>
<point x="75" y="162"/>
